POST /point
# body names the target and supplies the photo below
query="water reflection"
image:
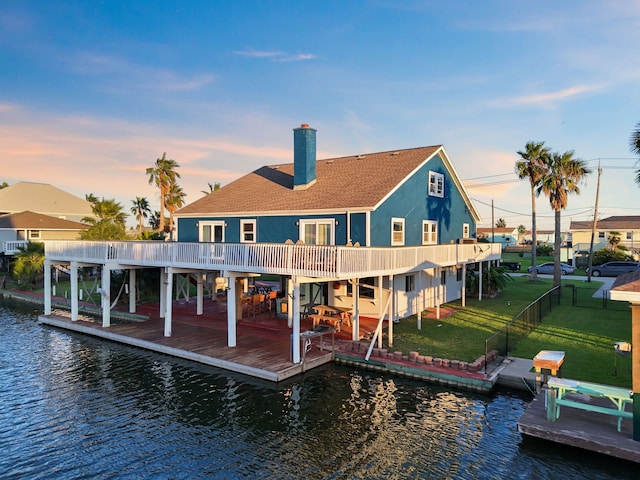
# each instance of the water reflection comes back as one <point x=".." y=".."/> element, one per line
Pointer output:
<point x="77" y="407"/>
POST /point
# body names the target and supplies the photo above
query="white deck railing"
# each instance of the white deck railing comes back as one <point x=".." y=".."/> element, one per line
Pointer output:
<point x="12" y="247"/>
<point x="273" y="258"/>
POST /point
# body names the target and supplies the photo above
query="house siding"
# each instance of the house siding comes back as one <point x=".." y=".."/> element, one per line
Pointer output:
<point x="411" y="199"/>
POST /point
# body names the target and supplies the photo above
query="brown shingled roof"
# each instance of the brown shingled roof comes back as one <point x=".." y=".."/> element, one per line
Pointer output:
<point x="35" y="221"/>
<point x="355" y="182"/>
<point x="621" y="222"/>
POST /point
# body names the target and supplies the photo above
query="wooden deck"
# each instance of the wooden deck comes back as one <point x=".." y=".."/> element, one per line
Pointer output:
<point x="263" y="347"/>
<point x="582" y="429"/>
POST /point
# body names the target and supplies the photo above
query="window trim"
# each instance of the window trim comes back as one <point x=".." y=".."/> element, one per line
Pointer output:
<point x="432" y="232"/>
<point x="466" y="230"/>
<point x="212" y="224"/>
<point x="243" y="234"/>
<point x="397" y="221"/>
<point x="318" y="221"/>
<point x="436" y="179"/>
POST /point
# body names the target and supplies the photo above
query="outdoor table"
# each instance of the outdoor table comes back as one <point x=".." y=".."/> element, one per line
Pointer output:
<point x="548" y="361"/>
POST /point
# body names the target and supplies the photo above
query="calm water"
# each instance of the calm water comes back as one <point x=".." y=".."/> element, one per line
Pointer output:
<point x="76" y="407"/>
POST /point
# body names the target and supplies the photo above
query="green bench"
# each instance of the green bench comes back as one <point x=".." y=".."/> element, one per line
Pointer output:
<point x="559" y="388"/>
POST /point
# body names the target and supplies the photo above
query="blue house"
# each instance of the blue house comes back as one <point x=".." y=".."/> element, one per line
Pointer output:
<point x="383" y="235"/>
<point x="397" y="200"/>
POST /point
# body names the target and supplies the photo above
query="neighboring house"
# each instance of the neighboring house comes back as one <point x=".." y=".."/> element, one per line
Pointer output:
<point x="398" y="198"/>
<point x="507" y="236"/>
<point x="16" y="229"/>
<point x="44" y="199"/>
<point x="627" y="226"/>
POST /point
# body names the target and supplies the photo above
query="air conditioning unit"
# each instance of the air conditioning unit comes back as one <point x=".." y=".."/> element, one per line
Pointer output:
<point x="466" y="240"/>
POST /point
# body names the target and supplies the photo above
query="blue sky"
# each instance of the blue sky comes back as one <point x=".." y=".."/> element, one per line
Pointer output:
<point x="93" y="92"/>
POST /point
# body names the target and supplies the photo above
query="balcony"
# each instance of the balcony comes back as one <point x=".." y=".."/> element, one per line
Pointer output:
<point x="319" y="261"/>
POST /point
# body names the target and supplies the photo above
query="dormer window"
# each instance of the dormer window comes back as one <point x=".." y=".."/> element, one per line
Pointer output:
<point x="436" y="184"/>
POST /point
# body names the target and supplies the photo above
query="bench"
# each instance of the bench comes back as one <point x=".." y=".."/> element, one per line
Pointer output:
<point x="334" y="321"/>
<point x="559" y="388"/>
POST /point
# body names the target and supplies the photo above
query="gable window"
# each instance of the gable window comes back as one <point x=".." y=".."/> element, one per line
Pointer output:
<point x="436" y="184"/>
<point x="429" y="232"/>
<point x="397" y="231"/>
<point x="465" y="230"/>
<point x="211" y="232"/>
<point x="247" y="231"/>
<point x="317" y="232"/>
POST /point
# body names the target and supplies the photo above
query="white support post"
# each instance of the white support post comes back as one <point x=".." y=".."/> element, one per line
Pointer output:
<point x="295" y="336"/>
<point x="200" y="294"/>
<point x="169" y="303"/>
<point x="464" y="285"/>
<point x="381" y="313"/>
<point x="163" y="292"/>
<point x="289" y="303"/>
<point x="47" y="287"/>
<point x="355" y="335"/>
<point x="391" y="313"/>
<point x="234" y="294"/>
<point x="438" y="292"/>
<point x="132" y="290"/>
<point x="105" y="294"/>
<point x="74" y="290"/>
<point x="480" y="281"/>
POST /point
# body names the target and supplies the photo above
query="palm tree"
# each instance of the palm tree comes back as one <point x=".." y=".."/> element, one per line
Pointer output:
<point x="140" y="208"/>
<point x="29" y="263"/>
<point x="174" y="200"/>
<point x="501" y="223"/>
<point x="163" y="174"/>
<point x="154" y="220"/>
<point x="634" y="145"/>
<point x="108" y="222"/>
<point x="531" y="166"/>
<point x="212" y="188"/>
<point x="562" y="175"/>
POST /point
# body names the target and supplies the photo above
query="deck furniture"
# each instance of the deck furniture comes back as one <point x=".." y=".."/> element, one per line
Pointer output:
<point x="548" y="361"/>
<point x="332" y="315"/>
<point x="307" y="337"/>
<point x="569" y="393"/>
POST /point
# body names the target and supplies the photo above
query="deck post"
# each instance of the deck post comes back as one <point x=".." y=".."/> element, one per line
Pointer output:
<point x="163" y="292"/>
<point x="355" y="335"/>
<point x="295" y="336"/>
<point x="381" y="312"/>
<point x="105" y="294"/>
<point x="289" y="303"/>
<point x="233" y="298"/>
<point x="169" y="302"/>
<point x="438" y="292"/>
<point x="47" y="287"/>
<point x="74" y="290"/>
<point x="463" y="297"/>
<point x="132" y="290"/>
<point x="200" y="294"/>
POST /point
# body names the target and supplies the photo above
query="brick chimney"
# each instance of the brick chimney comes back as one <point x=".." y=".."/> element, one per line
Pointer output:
<point x="304" y="157"/>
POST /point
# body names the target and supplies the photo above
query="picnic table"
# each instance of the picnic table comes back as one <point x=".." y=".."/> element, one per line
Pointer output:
<point x="332" y="315"/>
<point x="565" y="392"/>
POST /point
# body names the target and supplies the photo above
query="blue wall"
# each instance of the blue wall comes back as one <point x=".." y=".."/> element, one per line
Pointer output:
<point x="412" y="202"/>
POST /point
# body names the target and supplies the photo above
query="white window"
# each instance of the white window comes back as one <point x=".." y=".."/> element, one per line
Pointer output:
<point x="429" y="232"/>
<point x="317" y="232"/>
<point x="34" y="233"/>
<point x="465" y="230"/>
<point x="629" y="235"/>
<point x="247" y="231"/>
<point x="436" y="184"/>
<point x="211" y="232"/>
<point x="397" y="231"/>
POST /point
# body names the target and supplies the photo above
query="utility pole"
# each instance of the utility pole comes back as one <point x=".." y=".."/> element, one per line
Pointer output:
<point x="593" y="226"/>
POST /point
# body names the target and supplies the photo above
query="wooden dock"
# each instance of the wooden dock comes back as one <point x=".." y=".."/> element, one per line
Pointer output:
<point x="582" y="429"/>
<point x="263" y="341"/>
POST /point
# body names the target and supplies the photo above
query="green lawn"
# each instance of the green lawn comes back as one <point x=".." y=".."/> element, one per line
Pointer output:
<point x="586" y="334"/>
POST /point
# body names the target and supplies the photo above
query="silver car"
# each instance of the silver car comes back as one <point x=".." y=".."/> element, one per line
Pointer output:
<point x="548" y="267"/>
<point x="613" y="269"/>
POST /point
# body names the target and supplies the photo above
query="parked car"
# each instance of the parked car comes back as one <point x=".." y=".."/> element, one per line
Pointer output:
<point x="513" y="266"/>
<point x="549" y="266"/>
<point x="613" y="269"/>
